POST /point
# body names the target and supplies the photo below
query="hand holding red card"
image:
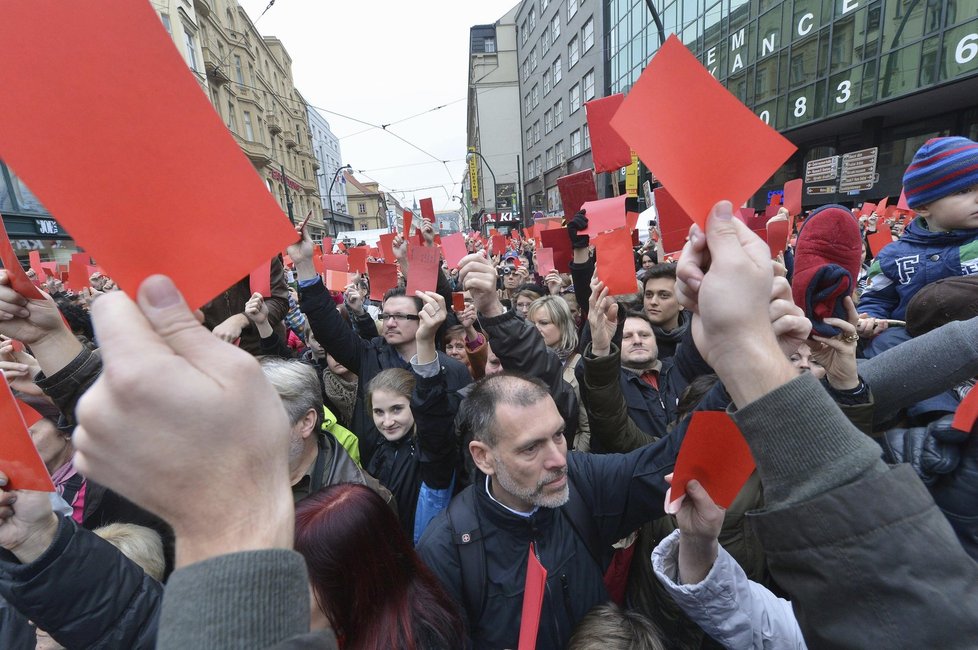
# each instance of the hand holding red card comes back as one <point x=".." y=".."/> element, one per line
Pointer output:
<point x="610" y="249"/>
<point x="382" y="278"/>
<point x="19" y="459"/>
<point x="18" y="278"/>
<point x="575" y="190"/>
<point x="604" y="214"/>
<point x="427" y="210"/>
<point x="545" y="261"/>
<point x="714" y="453"/>
<point x="453" y="247"/>
<point x="423" y="269"/>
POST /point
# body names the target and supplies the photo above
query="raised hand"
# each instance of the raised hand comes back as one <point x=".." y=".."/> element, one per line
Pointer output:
<point x="256" y="310"/>
<point x="431" y="316"/>
<point x="838" y="353"/>
<point x="478" y="276"/>
<point x="27" y="524"/>
<point x="603" y="318"/>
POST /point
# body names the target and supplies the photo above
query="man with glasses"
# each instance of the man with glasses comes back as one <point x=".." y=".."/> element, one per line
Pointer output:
<point x="366" y="358"/>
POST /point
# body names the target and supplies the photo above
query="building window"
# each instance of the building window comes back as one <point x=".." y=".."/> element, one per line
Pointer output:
<point x="527" y="107"/>
<point x="533" y="18"/>
<point x="543" y="5"/>
<point x="238" y="72"/>
<point x="166" y="23"/>
<point x="232" y="121"/>
<point x="536" y="132"/>
<point x="553" y="199"/>
<point x="363" y="225"/>
<point x="556" y="70"/>
<point x="550" y="157"/>
<point x="571" y="9"/>
<point x="529" y="137"/>
<point x="249" y="130"/>
<point x="544" y="44"/>
<point x="575" y="142"/>
<point x="587" y="34"/>
<point x="555" y="27"/>
<point x="490" y="45"/>
<point x="573" y="52"/>
<point x="524" y="34"/>
<point x="525" y="69"/>
<point x="547" y="81"/>
<point x="535" y="95"/>
<point x="559" y="112"/>
<point x="188" y="41"/>
<point x="575" y="98"/>
<point x="539" y="165"/>
<point x="589" y="85"/>
<point x="559" y="152"/>
<point x="361" y="208"/>
<point x="548" y="121"/>
<point x="533" y="59"/>
<point x="587" y="137"/>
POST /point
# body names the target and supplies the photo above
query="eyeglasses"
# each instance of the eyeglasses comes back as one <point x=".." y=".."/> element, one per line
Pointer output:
<point x="399" y="318"/>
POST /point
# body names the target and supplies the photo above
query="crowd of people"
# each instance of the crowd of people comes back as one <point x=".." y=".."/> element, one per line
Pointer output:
<point x="313" y="469"/>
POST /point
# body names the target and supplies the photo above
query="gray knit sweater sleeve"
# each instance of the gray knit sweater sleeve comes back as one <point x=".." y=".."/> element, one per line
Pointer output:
<point x="921" y="367"/>
<point x="802" y="443"/>
<point x="241" y="601"/>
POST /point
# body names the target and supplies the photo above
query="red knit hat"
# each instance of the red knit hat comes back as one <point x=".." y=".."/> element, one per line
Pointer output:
<point x="828" y="254"/>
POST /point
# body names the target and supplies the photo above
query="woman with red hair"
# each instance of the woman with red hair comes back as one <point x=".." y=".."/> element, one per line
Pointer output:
<point x="367" y="582"/>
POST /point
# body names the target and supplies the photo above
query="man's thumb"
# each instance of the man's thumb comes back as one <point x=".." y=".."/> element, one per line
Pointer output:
<point x="170" y="316"/>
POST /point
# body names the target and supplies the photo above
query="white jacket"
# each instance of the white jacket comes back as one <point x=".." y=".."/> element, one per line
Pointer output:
<point x="735" y="611"/>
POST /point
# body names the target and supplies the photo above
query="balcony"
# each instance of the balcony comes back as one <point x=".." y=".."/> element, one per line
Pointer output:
<point x="203" y="8"/>
<point x="216" y="73"/>
<point x="259" y="154"/>
<point x="274" y="125"/>
<point x="290" y="141"/>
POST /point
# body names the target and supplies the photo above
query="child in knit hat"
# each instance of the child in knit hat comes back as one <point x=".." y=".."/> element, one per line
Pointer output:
<point x="941" y="186"/>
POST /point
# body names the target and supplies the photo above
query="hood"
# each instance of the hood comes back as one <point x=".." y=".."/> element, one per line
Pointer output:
<point x="917" y="233"/>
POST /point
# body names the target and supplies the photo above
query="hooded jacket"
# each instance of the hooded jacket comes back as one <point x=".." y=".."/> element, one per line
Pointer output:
<point x="918" y="258"/>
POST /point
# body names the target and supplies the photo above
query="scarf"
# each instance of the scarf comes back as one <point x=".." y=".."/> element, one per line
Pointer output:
<point x="343" y="394"/>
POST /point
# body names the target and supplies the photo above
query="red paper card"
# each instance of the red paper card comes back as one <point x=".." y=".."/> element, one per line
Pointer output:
<point x="792" y="196"/>
<point x="423" y="262"/>
<point x="382" y="278"/>
<point x="881" y="206"/>
<point x="533" y="592"/>
<point x="777" y="237"/>
<point x="339" y="280"/>
<point x="745" y="214"/>
<point x="529" y="231"/>
<point x="327" y="245"/>
<point x="714" y="453"/>
<point x="604" y="214"/>
<point x="611" y="248"/>
<point x="868" y="209"/>
<point x="358" y="259"/>
<point x="498" y="244"/>
<point x="317" y="262"/>
<point x="427" y="210"/>
<point x="406" y="227"/>
<point x="698" y="139"/>
<point x="31" y="417"/>
<point x="576" y="190"/>
<point x="260" y="279"/>
<point x="771" y="211"/>
<point x="967" y="412"/>
<point x="387" y="247"/>
<point x="18" y="277"/>
<point x="458" y="301"/>
<point x="187" y="174"/>
<point x="558" y="241"/>
<point x="78" y="272"/>
<point x="902" y="203"/>
<point x="545" y="261"/>
<point x="35" y="263"/>
<point x="336" y="263"/>
<point x="880" y="239"/>
<point x="453" y="248"/>
<point x="672" y="218"/>
<point x="608" y="150"/>
<point x="341" y="246"/>
<point x="19" y="459"/>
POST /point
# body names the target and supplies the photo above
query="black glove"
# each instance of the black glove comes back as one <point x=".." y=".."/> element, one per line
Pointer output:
<point x="933" y="451"/>
<point x="574" y="226"/>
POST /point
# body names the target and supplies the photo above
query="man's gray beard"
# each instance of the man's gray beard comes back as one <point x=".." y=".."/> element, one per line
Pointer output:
<point x="535" y="497"/>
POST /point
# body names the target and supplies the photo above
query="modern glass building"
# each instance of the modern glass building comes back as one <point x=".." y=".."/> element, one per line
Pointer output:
<point x="834" y="76"/>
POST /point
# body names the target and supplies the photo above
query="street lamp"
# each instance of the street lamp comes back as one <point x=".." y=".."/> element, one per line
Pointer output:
<point x="329" y="196"/>
<point x="486" y="163"/>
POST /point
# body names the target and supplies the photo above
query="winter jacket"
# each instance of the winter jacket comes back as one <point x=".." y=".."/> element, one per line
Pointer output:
<point x="622" y="491"/>
<point x="366" y="359"/>
<point x="918" y="258"/>
<point x="733" y="610"/>
<point x="667" y="342"/>
<point x="84" y="592"/>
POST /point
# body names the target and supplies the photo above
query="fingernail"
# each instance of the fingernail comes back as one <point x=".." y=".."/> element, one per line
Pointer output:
<point x="723" y="211"/>
<point x="694" y="284"/>
<point x="160" y="292"/>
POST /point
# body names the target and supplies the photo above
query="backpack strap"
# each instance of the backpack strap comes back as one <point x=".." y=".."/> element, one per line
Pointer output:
<point x="463" y="519"/>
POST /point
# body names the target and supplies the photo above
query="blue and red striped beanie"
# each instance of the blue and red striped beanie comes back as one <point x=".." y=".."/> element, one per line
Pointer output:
<point x="940" y="168"/>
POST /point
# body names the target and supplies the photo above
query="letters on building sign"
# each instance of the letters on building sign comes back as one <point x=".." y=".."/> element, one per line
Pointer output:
<point x="291" y="183"/>
<point x="47" y="227"/>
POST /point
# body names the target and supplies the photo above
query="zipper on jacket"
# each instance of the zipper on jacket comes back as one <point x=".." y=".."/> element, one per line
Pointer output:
<point x="565" y="587"/>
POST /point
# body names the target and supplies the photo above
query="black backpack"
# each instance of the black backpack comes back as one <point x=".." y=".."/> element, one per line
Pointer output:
<point x="463" y="519"/>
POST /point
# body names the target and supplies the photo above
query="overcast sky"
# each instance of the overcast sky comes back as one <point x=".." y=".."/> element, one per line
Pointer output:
<point x="381" y="61"/>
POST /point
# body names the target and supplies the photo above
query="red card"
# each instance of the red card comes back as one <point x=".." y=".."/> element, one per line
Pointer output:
<point x="611" y="249"/>
<point x="545" y="261"/>
<point x="967" y="412"/>
<point x="423" y="262"/>
<point x="715" y="454"/>
<point x="406" y="228"/>
<point x="317" y="262"/>
<point x="792" y="196"/>
<point x="339" y="280"/>
<point x="868" y="209"/>
<point x="604" y="214"/>
<point x="19" y="459"/>
<point x="31" y="417"/>
<point x="186" y="164"/>
<point x="771" y="211"/>
<point x="777" y="236"/>
<point x="576" y="190"/>
<point x="358" y="259"/>
<point x="609" y="151"/>
<point x="382" y="278"/>
<point x="696" y="137"/>
<point x="341" y="246"/>
<point x="529" y="231"/>
<point x="78" y="272"/>
<point x="558" y="241"/>
<point x="427" y="210"/>
<point x="387" y="247"/>
<point x="745" y="214"/>
<point x="881" y="206"/>
<point x="336" y="263"/>
<point x="533" y="592"/>
<point x="18" y="277"/>
<point x="52" y="269"/>
<point x="260" y="279"/>
<point x="35" y="263"/>
<point x="458" y="301"/>
<point x="672" y="218"/>
<point x="880" y="239"/>
<point x="453" y="248"/>
<point x="498" y="245"/>
<point x="327" y="245"/>
<point x="902" y="203"/>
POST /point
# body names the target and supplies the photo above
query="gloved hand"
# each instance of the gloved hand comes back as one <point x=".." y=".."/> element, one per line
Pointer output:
<point x="933" y="451"/>
<point x="575" y="225"/>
